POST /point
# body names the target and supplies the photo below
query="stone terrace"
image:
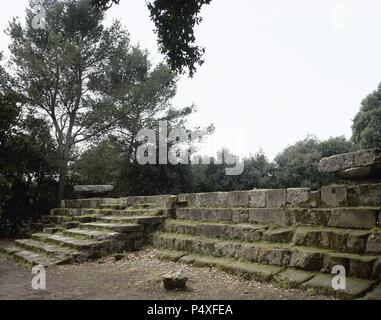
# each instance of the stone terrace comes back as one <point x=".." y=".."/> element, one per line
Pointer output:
<point x="293" y="237"/>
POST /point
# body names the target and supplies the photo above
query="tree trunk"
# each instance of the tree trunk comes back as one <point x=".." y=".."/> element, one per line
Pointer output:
<point x="62" y="179"/>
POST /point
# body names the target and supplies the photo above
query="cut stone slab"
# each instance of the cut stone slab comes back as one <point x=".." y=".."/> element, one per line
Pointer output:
<point x="65" y="241"/>
<point x="113" y="227"/>
<point x="169" y="255"/>
<point x="294" y="278"/>
<point x="93" y="190"/>
<point x="254" y="271"/>
<point x="355" y="288"/>
<point x="188" y="259"/>
<point x="89" y="234"/>
<point x="175" y="280"/>
<point x="375" y="294"/>
<point x="374" y="243"/>
<point x="134" y="219"/>
<point x="47" y="249"/>
<point x="29" y="258"/>
<point x="358" y="165"/>
<point x="279" y="235"/>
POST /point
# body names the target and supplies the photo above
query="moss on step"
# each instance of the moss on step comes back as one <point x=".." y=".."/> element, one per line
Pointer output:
<point x="355" y="288"/>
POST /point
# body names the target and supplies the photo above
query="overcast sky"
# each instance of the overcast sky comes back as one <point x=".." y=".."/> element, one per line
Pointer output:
<point x="274" y="70"/>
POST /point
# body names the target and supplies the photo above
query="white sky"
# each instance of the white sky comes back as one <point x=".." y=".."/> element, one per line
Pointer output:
<point x="274" y="70"/>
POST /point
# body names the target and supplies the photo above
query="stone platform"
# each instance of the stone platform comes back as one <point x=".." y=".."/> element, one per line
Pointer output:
<point x="360" y="165"/>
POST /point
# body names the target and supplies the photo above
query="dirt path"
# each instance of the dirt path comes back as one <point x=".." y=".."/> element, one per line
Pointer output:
<point x="138" y="276"/>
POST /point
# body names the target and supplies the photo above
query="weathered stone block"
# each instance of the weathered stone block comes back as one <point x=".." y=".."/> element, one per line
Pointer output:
<point x="182" y="198"/>
<point x="194" y="214"/>
<point x="244" y="232"/>
<point x="350" y="160"/>
<point x="276" y="198"/>
<point x="224" y="214"/>
<point x="211" y="230"/>
<point x="354" y="218"/>
<point x="268" y="216"/>
<point x="226" y="250"/>
<point x="279" y="235"/>
<point x="315" y="199"/>
<point x="182" y="213"/>
<point x="194" y="200"/>
<point x="374" y="243"/>
<point x="238" y="199"/>
<point x="377" y="269"/>
<point x="240" y="215"/>
<point x="275" y="256"/>
<point x="362" y="267"/>
<point x="203" y="247"/>
<point x="294" y="278"/>
<point x="174" y="280"/>
<point x="249" y="253"/>
<point x="364" y="195"/>
<point x="209" y="214"/>
<point x="309" y="261"/>
<point x="93" y="190"/>
<point x="298" y="197"/>
<point x="318" y="217"/>
<point x="334" y="196"/>
<point x="355" y="288"/>
<point x="257" y="198"/>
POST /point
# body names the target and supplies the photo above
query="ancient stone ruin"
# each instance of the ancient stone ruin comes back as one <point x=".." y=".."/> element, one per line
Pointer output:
<point x="293" y="237"/>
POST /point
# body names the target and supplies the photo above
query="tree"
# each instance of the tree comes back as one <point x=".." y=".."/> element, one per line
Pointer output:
<point x="91" y="167"/>
<point x="27" y="166"/>
<point x="174" y="21"/>
<point x="52" y="68"/>
<point x="297" y="165"/>
<point x="367" y="123"/>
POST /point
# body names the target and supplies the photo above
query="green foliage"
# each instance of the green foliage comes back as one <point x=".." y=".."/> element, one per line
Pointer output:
<point x="367" y="123"/>
<point x="297" y="165"/>
<point x="175" y="21"/>
<point x="27" y="168"/>
<point x="52" y="70"/>
<point x="100" y="164"/>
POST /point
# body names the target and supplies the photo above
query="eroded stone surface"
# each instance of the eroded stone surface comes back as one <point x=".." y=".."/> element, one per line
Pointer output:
<point x="175" y="280"/>
<point x="93" y="190"/>
<point x="359" y="165"/>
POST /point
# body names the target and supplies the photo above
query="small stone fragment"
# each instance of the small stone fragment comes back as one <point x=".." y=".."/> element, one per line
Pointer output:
<point x="174" y="280"/>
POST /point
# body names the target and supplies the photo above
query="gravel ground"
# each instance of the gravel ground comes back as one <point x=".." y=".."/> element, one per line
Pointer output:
<point x="137" y="276"/>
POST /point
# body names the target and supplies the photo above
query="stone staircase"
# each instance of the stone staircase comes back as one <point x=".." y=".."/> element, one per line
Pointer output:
<point x="292" y="237"/>
<point x="90" y="228"/>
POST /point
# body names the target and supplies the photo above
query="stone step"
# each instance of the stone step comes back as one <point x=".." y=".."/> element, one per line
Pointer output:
<point x="340" y="240"/>
<point x="288" y="255"/>
<point x="349" y="218"/>
<point x="145" y="205"/>
<point x="55" y="219"/>
<point x="113" y="227"/>
<point x="283" y="277"/>
<point x="153" y="220"/>
<point x="51" y="230"/>
<point x="136" y="212"/>
<point x="112" y="206"/>
<point x="90" y="234"/>
<point x="30" y="258"/>
<point x="46" y="249"/>
<point x="355" y="288"/>
<point x="69" y="242"/>
<point x="243" y="232"/>
<point x="254" y="271"/>
<point x="72" y="212"/>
